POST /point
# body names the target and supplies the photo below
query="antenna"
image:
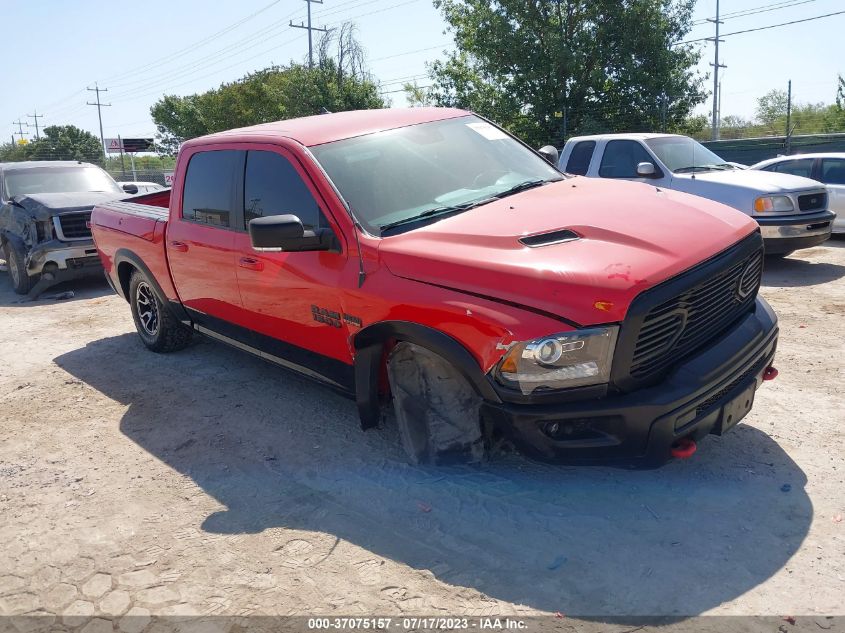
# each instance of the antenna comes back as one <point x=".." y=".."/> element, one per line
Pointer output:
<point x="356" y="226"/>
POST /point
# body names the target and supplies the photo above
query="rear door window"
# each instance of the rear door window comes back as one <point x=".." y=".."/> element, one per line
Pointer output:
<point x="579" y="159"/>
<point x="833" y="171"/>
<point x="210" y="187"/>
<point x="802" y="167"/>
<point x="621" y="158"/>
<point x="272" y="186"/>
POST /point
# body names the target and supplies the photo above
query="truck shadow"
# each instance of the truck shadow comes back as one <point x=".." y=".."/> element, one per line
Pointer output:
<point x="278" y="451"/>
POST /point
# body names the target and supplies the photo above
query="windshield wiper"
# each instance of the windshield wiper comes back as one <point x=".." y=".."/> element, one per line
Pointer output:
<point x="720" y="167"/>
<point x="523" y="186"/>
<point x="435" y="213"/>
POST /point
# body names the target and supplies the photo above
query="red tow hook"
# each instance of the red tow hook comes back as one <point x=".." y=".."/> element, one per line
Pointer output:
<point x="770" y="374"/>
<point x="683" y="449"/>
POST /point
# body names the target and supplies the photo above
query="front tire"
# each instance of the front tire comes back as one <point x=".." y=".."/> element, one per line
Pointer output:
<point x="22" y="282"/>
<point x="159" y="330"/>
<point x="437" y="410"/>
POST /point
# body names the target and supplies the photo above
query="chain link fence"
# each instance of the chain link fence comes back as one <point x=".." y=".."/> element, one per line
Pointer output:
<point x="749" y="151"/>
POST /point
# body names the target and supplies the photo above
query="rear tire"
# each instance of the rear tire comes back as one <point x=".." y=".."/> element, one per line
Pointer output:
<point x="159" y="330"/>
<point x="437" y="410"/>
<point x="22" y="282"/>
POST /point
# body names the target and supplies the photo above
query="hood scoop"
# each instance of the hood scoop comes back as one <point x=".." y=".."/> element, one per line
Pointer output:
<point x="547" y="239"/>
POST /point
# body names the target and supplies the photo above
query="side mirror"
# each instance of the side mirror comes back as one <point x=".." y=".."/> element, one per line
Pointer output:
<point x="549" y="152"/>
<point x="286" y="233"/>
<point x="130" y="189"/>
<point x="646" y="170"/>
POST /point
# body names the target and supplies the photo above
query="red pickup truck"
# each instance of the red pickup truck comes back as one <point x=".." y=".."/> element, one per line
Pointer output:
<point x="426" y="258"/>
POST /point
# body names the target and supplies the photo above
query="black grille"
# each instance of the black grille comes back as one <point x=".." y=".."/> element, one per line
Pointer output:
<point x="812" y="201"/>
<point x="75" y="224"/>
<point x="683" y="324"/>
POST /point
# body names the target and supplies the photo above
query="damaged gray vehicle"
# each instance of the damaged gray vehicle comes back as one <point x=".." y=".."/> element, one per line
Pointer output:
<point x="45" y="208"/>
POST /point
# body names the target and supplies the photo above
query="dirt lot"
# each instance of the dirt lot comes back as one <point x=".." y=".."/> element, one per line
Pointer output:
<point x="209" y="482"/>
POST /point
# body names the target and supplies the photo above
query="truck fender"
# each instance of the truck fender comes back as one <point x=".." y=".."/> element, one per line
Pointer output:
<point x="7" y="237"/>
<point x="124" y="257"/>
<point x="370" y="344"/>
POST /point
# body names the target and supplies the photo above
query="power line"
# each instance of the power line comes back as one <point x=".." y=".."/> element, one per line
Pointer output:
<point x="198" y="43"/>
<point x="419" y="50"/>
<point x="144" y="89"/>
<point x="764" y="28"/>
<point x="784" y="4"/>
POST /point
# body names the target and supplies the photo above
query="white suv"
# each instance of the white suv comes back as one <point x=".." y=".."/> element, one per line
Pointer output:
<point x="792" y="211"/>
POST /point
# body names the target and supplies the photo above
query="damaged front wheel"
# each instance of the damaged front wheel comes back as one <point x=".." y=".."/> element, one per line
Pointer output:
<point x="437" y="410"/>
<point x="22" y="281"/>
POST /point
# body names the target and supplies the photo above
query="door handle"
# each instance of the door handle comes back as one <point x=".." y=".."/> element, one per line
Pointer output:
<point x="179" y="246"/>
<point x="251" y="263"/>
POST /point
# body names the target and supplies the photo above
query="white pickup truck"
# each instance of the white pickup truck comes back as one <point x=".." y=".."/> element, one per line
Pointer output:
<point x="792" y="211"/>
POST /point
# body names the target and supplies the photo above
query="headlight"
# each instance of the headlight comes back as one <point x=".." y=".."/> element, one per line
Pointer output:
<point x="559" y="361"/>
<point x="766" y="204"/>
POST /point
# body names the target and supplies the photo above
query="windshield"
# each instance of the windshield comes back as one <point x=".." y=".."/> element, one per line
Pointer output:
<point x="682" y="154"/>
<point x="422" y="171"/>
<point x="20" y="182"/>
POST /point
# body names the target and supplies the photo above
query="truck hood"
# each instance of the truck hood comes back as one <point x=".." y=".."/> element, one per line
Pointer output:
<point x="632" y="236"/>
<point x="43" y="206"/>
<point x="753" y="181"/>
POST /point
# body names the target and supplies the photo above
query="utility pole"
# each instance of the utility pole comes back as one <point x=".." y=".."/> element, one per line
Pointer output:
<point x="714" y="131"/>
<point x="309" y="28"/>
<point x="99" y="105"/>
<point x="20" y="125"/>
<point x="36" y="116"/>
<point x="788" y="118"/>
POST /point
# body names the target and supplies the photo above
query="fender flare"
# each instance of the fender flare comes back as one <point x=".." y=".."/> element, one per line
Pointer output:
<point x="7" y="236"/>
<point x="125" y="256"/>
<point x="369" y="346"/>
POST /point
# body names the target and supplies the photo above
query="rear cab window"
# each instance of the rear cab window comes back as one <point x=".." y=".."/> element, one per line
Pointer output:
<point x="579" y="159"/>
<point x="621" y="158"/>
<point x="210" y="192"/>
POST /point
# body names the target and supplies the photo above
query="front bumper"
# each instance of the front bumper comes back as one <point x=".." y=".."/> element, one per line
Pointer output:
<point x="789" y="233"/>
<point x="642" y="425"/>
<point x="68" y="260"/>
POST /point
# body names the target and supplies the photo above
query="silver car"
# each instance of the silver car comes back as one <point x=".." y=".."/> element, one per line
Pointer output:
<point x="828" y="169"/>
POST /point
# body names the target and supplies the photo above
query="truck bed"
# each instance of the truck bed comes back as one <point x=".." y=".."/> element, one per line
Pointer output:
<point x="137" y="216"/>
<point x="134" y="228"/>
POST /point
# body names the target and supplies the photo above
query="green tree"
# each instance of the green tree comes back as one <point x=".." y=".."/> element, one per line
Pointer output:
<point x="339" y="81"/>
<point x="771" y="107"/>
<point x="600" y="65"/>
<point x="58" y="142"/>
<point x="12" y="152"/>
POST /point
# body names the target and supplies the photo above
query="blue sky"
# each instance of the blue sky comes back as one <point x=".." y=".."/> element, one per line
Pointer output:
<point x="177" y="47"/>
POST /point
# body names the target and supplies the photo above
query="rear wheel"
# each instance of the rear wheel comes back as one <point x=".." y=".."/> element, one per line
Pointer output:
<point x="437" y="410"/>
<point x="158" y="328"/>
<point x="22" y="282"/>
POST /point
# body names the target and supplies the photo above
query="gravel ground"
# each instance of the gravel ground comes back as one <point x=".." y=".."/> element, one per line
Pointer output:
<point x="208" y="482"/>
